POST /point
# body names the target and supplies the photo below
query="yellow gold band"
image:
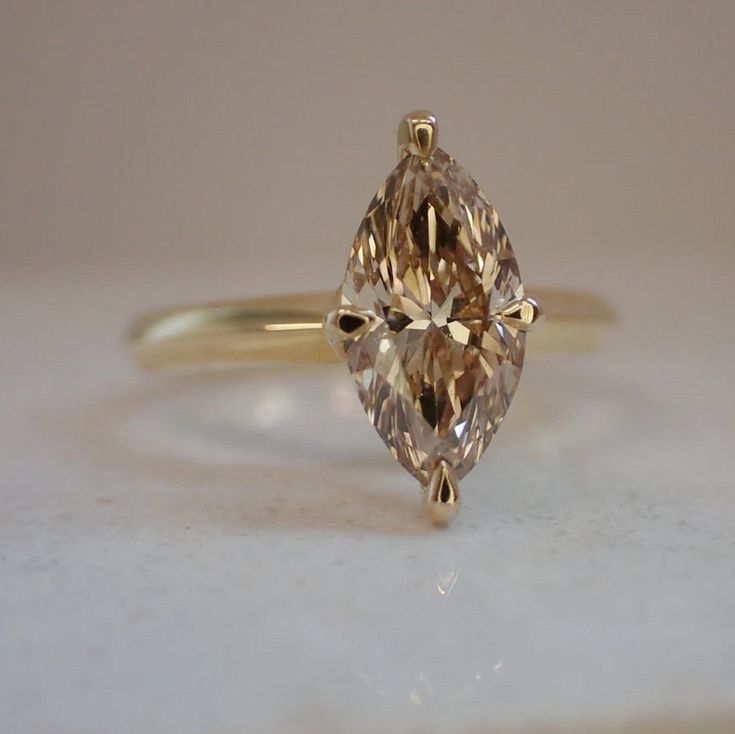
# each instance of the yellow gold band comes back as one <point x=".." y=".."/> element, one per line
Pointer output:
<point x="289" y="329"/>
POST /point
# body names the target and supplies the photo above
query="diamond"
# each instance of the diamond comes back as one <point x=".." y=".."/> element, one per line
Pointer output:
<point x="419" y="317"/>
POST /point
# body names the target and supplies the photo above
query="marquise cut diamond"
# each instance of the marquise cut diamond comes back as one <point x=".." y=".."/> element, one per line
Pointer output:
<point x="418" y="316"/>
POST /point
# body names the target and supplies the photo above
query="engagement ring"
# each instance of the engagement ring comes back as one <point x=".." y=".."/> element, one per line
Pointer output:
<point x="430" y="319"/>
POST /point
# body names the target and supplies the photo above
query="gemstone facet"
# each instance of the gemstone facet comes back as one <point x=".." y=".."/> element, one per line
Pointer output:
<point x="419" y="316"/>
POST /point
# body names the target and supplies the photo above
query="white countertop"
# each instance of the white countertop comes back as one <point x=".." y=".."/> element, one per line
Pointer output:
<point x="240" y="553"/>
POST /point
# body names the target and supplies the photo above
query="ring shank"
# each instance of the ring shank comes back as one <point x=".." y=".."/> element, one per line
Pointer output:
<point x="289" y="329"/>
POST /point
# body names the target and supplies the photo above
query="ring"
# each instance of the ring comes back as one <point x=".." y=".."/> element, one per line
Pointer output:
<point x="430" y="320"/>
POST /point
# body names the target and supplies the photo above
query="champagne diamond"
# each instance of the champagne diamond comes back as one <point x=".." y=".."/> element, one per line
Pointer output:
<point x="418" y="319"/>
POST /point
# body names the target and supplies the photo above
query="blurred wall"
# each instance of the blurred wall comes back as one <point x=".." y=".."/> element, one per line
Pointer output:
<point x="173" y="133"/>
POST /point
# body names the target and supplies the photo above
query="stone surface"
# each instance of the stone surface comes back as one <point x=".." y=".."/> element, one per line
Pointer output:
<point x="430" y="267"/>
<point x="228" y="554"/>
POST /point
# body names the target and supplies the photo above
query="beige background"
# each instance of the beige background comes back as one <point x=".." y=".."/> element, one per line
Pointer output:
<point x="157" y="132"/>
<point x="158" y="152"/>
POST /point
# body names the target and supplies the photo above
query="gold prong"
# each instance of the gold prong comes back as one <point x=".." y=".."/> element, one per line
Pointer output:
<point x="418" y="133"/>
<point x="441" y="494"/>
<point x="522" y="313"/>
<point x="347" y="322"/>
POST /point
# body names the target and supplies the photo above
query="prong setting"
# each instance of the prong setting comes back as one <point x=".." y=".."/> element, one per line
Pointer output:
<point x="434" y="395"/>
<point x="441" y="494"/>
<point x="418" y="133"/>
<point x="347" y="323"/>
<point x="524" y="314"/>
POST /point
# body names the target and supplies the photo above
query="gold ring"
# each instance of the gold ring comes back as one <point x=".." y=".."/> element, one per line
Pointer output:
<point x="431" y="319"/>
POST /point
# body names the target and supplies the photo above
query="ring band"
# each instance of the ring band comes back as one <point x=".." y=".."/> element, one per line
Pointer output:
<point x="431" y="319"/>
<point x="289" y="329"/>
